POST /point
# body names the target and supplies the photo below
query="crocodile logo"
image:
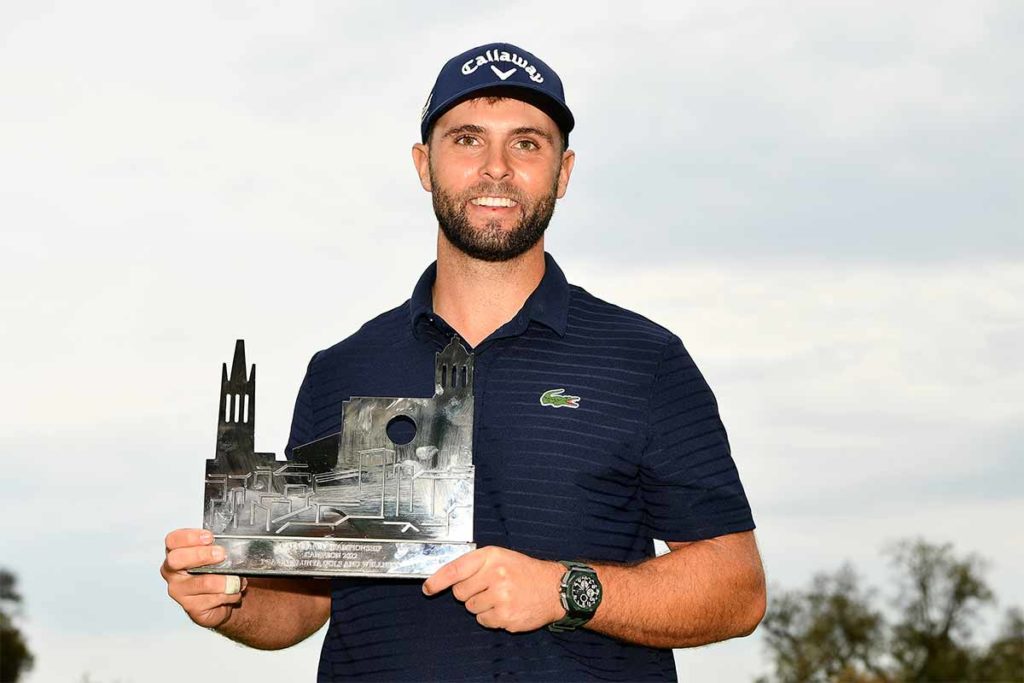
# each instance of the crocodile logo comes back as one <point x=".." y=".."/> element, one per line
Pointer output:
<point x="556" y="399"/>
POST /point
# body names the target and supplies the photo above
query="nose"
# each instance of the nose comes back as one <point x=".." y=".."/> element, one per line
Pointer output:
<point x="496" y="166"/>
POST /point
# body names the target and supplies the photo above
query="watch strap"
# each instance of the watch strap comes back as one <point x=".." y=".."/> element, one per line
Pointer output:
<point x="567" y="623"/>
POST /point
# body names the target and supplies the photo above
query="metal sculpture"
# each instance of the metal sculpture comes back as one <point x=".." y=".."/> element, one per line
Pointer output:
<point x="353" y="503"/>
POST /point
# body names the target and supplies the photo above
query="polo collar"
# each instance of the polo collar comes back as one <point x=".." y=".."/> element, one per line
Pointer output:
<point x="548" y="304"/>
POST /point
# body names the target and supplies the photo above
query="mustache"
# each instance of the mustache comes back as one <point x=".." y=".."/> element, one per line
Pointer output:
<point x="493" y="190"/>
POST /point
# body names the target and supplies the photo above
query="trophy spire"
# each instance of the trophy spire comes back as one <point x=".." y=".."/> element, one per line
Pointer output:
<point x="453" y="370"/>
<point x="236" y="424"/>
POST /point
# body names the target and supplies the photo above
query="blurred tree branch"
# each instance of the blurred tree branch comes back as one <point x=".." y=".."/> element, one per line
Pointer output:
<point x="832" y="630"/>
<point x="15" y="657"/>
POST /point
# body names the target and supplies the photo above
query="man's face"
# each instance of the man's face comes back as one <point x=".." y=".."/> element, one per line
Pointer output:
<point x="495" y="167"/>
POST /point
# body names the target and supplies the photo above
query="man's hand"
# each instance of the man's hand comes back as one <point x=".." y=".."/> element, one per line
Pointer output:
<point x="204" y="597"/>
<point x="503" y="588"/>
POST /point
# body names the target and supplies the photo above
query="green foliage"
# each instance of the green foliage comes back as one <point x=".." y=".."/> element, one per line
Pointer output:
<point x="15" y="657"/>
<point x="826" y="633"/>
<point x="939" y="597"/>
<point x="1004" y="658"/>
<point x="833" y="632"/>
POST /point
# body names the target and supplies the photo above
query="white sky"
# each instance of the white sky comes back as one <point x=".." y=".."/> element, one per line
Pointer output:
<point x="821" y="199"/>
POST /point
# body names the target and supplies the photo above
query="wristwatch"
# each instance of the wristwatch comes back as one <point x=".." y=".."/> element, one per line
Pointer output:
<point x="580" y="592"/>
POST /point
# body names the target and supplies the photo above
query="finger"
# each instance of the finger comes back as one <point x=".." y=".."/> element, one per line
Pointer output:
<point x="199" y="604"/>
<point x="191" y="557"/>
<point x="457" y="570"/>
<point x="488" y="619"/>
<point x="182" y="538"/>
<point x="481" y="602"/>
<point x="209" y="584"/>
<point x="466" y="589"/>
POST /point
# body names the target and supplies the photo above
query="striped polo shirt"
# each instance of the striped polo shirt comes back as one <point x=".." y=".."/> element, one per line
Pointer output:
<point x="644" y="455"/>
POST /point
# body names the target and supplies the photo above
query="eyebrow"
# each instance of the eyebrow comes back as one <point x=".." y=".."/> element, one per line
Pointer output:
<point x="467" y="128"/>
<point x="480" y="130"/>
<point x="526" y="130"/>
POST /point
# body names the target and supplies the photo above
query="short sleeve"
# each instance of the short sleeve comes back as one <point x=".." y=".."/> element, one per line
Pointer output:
<point x="302" y="416"/>
<point x="689" y="482"/>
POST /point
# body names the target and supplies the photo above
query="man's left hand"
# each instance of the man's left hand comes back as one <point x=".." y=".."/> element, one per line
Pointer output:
<point x="503" y="588"/>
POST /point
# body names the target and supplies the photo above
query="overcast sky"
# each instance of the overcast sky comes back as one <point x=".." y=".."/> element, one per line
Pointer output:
<point x="822" y="199"/>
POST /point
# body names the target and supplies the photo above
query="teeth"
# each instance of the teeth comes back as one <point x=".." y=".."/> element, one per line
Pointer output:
<point x="493" y="201"/>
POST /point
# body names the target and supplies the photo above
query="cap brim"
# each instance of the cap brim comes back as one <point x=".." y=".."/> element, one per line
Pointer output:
<point x="558" y="112"/>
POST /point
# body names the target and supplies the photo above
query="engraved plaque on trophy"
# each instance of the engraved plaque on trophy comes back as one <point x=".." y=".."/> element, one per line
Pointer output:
<point x="354" y="503"/>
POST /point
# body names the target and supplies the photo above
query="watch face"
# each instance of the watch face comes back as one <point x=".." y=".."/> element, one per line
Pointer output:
<point x="585" y="592"/>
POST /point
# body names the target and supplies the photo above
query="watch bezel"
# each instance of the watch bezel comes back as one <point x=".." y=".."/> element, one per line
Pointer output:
<point x="576" y="577"/>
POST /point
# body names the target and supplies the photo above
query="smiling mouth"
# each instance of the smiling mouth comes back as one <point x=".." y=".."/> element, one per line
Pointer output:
<point x="494" y="202"/>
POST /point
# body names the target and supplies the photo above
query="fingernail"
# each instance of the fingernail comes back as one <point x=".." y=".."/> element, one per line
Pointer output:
<point x="245" y="582"/>
<point x="217" y="553"/>
<point x="205" y="537"/>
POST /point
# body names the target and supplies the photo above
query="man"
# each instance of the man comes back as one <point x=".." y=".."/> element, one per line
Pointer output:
<point x="594" y="434"/>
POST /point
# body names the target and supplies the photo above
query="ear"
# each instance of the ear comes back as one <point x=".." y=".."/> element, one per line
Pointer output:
<point x="564" y="171"/>
<point x="421" y="160"/>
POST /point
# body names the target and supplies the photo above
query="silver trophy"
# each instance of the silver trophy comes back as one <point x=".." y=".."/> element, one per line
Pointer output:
<point x="354" y="503"/>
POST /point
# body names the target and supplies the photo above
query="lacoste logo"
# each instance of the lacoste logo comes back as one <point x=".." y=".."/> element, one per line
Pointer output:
<point x="502" y="74"/>
<point x="556" y="399"/>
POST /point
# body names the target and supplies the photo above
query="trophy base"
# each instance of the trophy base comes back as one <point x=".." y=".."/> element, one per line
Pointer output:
<point x="328" y="557"/>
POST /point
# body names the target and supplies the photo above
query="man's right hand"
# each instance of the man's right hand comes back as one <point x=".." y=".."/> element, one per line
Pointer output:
<point x="204" y="597"/>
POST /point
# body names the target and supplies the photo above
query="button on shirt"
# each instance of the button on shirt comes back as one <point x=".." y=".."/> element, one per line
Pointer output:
<point x="626" y="447"/>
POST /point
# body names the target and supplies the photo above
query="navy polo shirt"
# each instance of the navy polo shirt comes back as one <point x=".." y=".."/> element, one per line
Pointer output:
<point x="643" y="456"/>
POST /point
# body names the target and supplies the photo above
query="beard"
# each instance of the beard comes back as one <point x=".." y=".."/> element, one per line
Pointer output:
<point x="492" y="242"/>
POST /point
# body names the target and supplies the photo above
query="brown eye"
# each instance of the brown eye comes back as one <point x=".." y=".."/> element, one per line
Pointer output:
<point x="466" y="140"/>
<point x="528" y="145"/>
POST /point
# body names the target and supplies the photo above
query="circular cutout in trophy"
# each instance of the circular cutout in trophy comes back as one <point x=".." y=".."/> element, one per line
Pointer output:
<point x="401" y="429"/>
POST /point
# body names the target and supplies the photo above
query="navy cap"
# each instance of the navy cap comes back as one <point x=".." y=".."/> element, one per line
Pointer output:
<point x="506" y="70"/>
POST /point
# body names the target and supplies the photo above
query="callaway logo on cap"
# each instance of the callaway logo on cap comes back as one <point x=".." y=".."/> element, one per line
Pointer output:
<point x="472" y="65"/>
<point x="510" y="71"/>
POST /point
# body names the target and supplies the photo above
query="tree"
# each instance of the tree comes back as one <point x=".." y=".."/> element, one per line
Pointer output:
<point x="15" y="657"/>
<point x="939" y="598"/>
<point x="833" y="632"/>
<point x="1004" y="658"/>
<point x="826" y="633"/>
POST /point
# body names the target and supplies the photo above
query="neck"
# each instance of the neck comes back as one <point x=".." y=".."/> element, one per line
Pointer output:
<point x="477" y="297"/>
